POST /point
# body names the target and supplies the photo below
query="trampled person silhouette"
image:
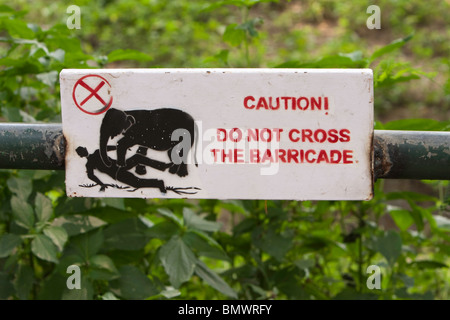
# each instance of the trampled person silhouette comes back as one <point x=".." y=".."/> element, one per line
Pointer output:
<point x="166" y="130"/>
<point x="123" y="175"/>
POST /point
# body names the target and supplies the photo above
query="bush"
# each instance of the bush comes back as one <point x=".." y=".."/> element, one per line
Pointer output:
<point x="207" y="249"/>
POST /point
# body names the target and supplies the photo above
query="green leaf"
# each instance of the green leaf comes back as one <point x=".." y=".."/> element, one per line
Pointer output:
<point x="237" y="3"/>
<point x="169" y="214"/>
<point x="43" y="207"/>
<point x="22" y="212"/>
<point x="101" y="261"/>
<point x="394" y="45"/>
<point x="250" y="26"/>
<point x="43" y="248"/>
<point x="126" y="235"/>
<point x="275" y="244"/>
<point x="290" y="64"/>
<point x="109" y="296"/>
<point x="214" y="5"/>
<point x="352" y="294"/>
<point x="133" y="284"/>
<point x="305" y="263"/>
<point x="86" y="292"/>
<point x="110" y="215"/>
<point x="287" y="281"/>
<point x="52" y="287"/>
<point x="428" y="264"/>
<point x="48" y="78"/>
<point x="6" y="286"/>
<point x="128" y="54"/>
<point x="178" y="261"/>
<point x="22" y="187"/>
<point x="58" y="55"/>
<point x="233" y="206"/>
<point x="341" y="60"/>
<point x="402" y="293"/>
<point x="246" y="225"/>
<point x="170" y="293"/>
<point x="87" y="244"/>
<point x="103" y="268"/>
<point x="214" y="280"/>
<point x="234" y="35"/>
<point x="5" y="8"/>
<point x="205" y="247"/>
<point x="18" y="28"/>
<point x="194" y="221"/>
<point x="24" y="281"/>
<point x="417" y="213"/>
<point x="313" y="243"/>
<point x="402" y="219"/>
<point x="442" y="222"/>
<point x="427" y="214"/>
<point x="389" y="245"/>
<point x="354" y="56"/>
<point x="221" y="56"/>
<point x="67" y="260"/>
<point x="409" y="195"/>
<point x="164" y="230"/>
<point x="388" y="73"/>
<point x="407" y="281"/>
<point x="78" y="224"/>
<point x="335" y="61"/>
<point x="418" y="125"/>
<point x="117" y="203"/>
<point x="13" y="115"/>
<point x="8" y="242"/>
<point x="58" y="235"/>
<point x="72" y="207"/>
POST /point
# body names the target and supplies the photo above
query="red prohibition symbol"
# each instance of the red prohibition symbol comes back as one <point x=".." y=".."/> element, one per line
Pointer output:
<point x="92" y="94"/>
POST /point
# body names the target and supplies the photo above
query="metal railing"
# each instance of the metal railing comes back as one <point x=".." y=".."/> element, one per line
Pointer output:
<point x="397" y="154"/>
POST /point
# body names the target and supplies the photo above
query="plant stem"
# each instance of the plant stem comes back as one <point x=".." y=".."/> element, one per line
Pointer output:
<point x="33" y="267"/>
<point x="360" y="271"/>
<point x="360" y="249"/>
<point x="246" y="41"/>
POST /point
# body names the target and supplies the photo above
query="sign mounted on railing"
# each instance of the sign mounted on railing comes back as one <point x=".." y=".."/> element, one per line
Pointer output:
<point x="301" y="134"/>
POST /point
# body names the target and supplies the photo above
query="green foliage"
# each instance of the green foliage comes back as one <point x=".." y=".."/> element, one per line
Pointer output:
<point x="211" y="249"/>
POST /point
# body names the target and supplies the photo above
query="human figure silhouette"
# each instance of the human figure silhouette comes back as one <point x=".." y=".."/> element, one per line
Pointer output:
<point x="121" y="174"/>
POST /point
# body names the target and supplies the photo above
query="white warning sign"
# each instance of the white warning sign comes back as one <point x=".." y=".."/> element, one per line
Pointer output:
<point x="300" y="134"/>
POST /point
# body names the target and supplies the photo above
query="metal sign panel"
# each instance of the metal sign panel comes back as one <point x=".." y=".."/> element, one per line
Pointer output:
<point x="302" y="134"/>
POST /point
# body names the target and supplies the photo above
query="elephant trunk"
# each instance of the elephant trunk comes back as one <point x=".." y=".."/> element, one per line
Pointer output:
<point x="104" y="138"/>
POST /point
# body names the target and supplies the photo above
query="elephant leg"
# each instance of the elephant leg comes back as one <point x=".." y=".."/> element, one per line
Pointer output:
<point x="182" y="170"/>
<point x="140" y="169"/>
<point x="179" y="169"/>
<point x="122" y="147"/>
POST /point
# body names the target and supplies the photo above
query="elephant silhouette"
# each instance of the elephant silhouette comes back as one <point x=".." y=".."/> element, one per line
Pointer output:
<point x="152" y="129"/>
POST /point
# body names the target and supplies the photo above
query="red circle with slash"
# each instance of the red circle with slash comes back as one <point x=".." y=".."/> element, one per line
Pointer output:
<point x="92" y="94"/>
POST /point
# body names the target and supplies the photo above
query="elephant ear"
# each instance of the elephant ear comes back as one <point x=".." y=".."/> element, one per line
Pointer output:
<point x="114" y="123"/>
<point x="130" y="122"/>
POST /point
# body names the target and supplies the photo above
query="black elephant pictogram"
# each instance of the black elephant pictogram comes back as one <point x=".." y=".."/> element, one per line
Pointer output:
<point x="153" y="129"/>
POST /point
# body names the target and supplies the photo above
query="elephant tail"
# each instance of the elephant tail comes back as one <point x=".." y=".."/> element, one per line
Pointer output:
<point x="196" y="143"/>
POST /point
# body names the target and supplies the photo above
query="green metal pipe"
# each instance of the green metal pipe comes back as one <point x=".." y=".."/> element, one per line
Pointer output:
<point x="32" y="146"/>
<point x="397" y="154"/>
<point x="412" y="155"/>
